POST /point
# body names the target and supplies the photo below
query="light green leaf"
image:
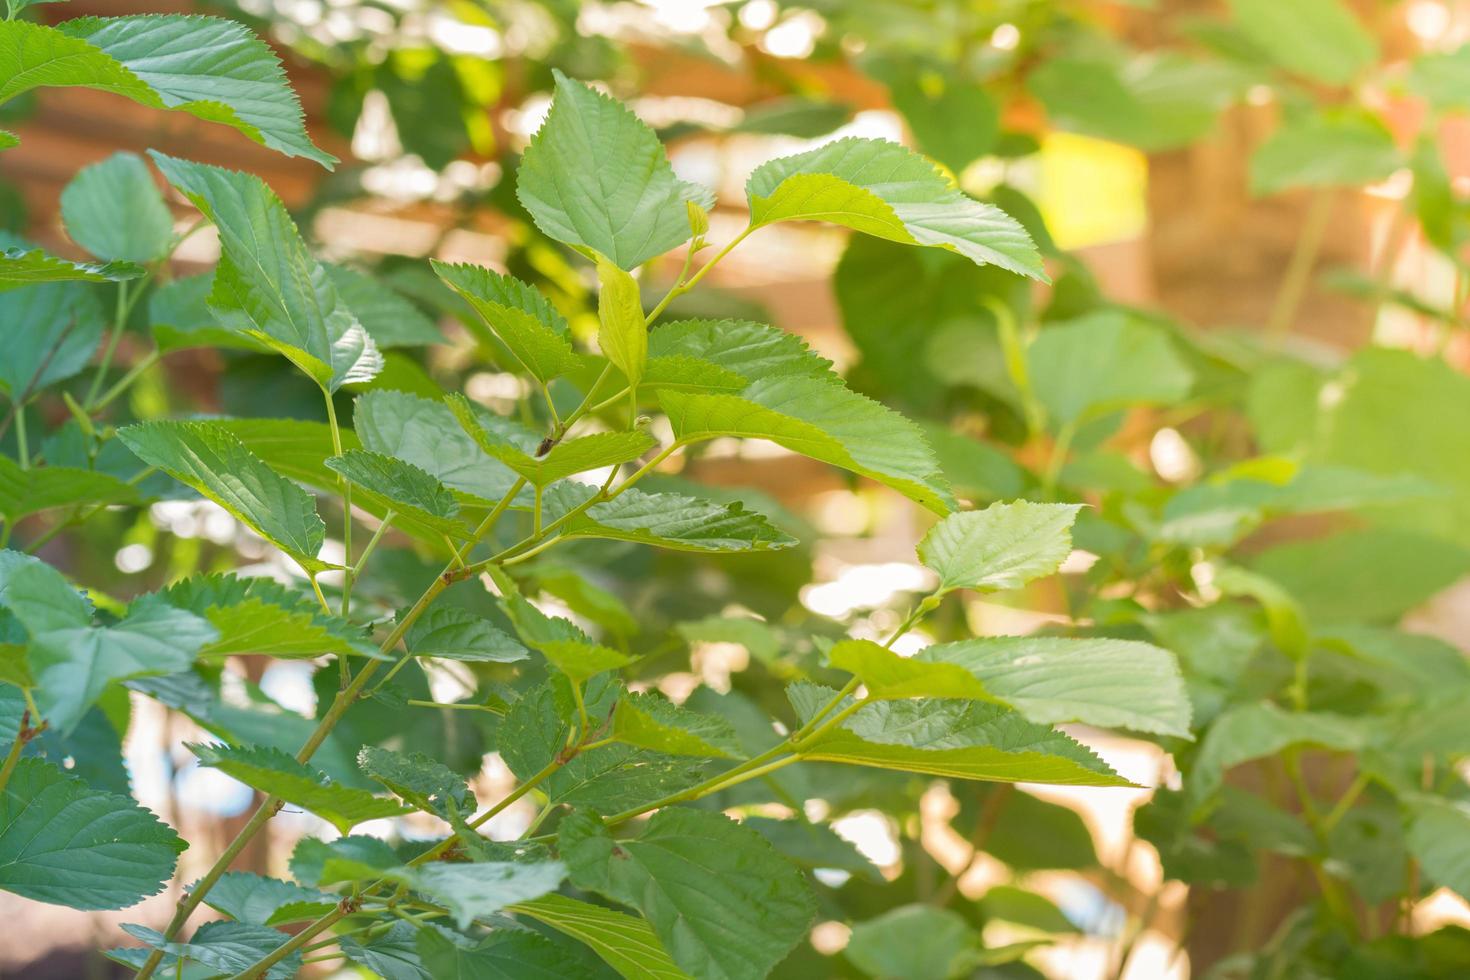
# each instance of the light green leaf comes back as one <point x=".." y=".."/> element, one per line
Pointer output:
<point x="1333" y="148"/>
<point x="210" y="67"/>
<point x="218" y="465"/>
<point x="268" y="285"/>
<point x="625" y="942"/>
<point x="278" y="774"/>
<point x="883" y="189"/>
<point x="1320" y="39"/>
<point x="1155" y="101"/>
<point x="1001" y="547"/>
<point x="1007" y="903"/>
<point x="1260" y="729"/>
<point x="114" y="210"/>
<point x="64" y="843"/>
<point x="262" y="616"/>
<point x="51" y="332"/>
<point x="417" y="780"/>
<point x="24" y="492"/>
<point x="21" y="266"/>
<point x="959" y="739"/>
<point x="914" y="942"/>
<point x="889" y="676"/>
<point x="469" y="891"/>
<point x="454" y="634"/>
<point x="400" y="487"/>
<point x="821" y="419"/>
<point x="1103" y="362"/>
<point x="652" y="722"/>
<point x="426" y="434"/>
<point x="224" y="948"/>
<point x="255" y="899"/>
<point x="1443" y="78"/>
<point x="1099" y="681"/>
<point x="519" y="315"/>
<point x="565" y="459"/>
<point x="596" y="177"/>
<point x="388" y="317"/>
<point x="725" y="904"/>
<point x="393" y="955"/>
<point x="669" y="520"/>
<point x="623" y="336"/>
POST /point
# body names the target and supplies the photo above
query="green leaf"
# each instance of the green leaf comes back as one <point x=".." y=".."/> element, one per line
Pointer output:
<point x="883" y="189"/>
<point x="814" y="846"/>
<point x="21" y="266"/>
<point x="1333" y="148"/>
<point x="225" y="948"/>
<point x="418" y="780"/>
<point x="953" y="119"/>
<point x="1099" y="681"/>
<point x="725" y="355"/>
<point x="426" y="434"/>
<point x="354" y="858"/>
<point x="179" y="318"/>
<point x="388" y="317"/>
<point x="268" y="285"/>
<point x="821" y="419"/>
<point x="519" y="315"/>
<point x="217" y="465"/>
<point x="914" y="942"/>
<point x="454" y="634"/>
<point x="1155" y="101"/>
<point x="725" y="904"/>
<point x="210" y="67"/>
<point x="960" y="739"/>
<point x="503" y="955"/>
<point x="1001" y="547"/>
<point x="274" y="772"/>
<point x="64" y="843"/>
<point x="889" y="676"/>
<point x="565" y="459"/>
<point x="255" y="899"/>
<point x="1260" y="729"/>
<point x="596" y="177"/>
<point x="114" y="210"/>
<point x="1364" y="574"/>
<point x="400" y="487"/>
<point x="653" y="722"/>
<point x="25" y="492"/>
<point x="669" y="520"/>
<point x="1007" y="903"/>
<point x="1319" y="39"/>
<point x="74" y="665"/>
<point x="1438" y="830"/>
<point x="1103" y="362"/>
<point x="470" y="891"/>
<point x="625" y="942"/>
<point x="1442" y="78"/>
<point x="623" y="336"/>
<point x="393" y="955"/>
<point x="262" y="616"/>
<point x="51" y="332"/>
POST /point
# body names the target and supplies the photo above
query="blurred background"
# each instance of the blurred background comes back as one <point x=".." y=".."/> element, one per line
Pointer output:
<point x="1137" y="183"/>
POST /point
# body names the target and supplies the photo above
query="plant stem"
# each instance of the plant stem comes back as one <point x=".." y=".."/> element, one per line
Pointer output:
<point x="20" y="436"/>
<point x="126" y="299"/>
<point x="346" y="484"/>
<point x="683" y="287"/>
<point x="1060" y="450"/>
<point x="300" y="939"/>
<point x="373" y="543"/>
<point x="123" y="383"/>
<point x="1299" y="269"/>
<point x="344" y="699"/>
<point x="16" y="747"/>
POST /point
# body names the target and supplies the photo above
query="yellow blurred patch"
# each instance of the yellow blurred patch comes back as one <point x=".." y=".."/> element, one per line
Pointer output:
<point x="1092" y="191"/>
